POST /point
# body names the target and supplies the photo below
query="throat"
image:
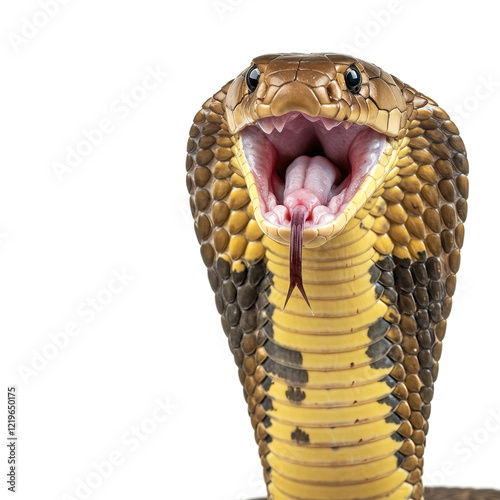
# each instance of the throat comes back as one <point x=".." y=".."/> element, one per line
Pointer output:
<point x="328" y="376"/>
<point x="325" y="273"/>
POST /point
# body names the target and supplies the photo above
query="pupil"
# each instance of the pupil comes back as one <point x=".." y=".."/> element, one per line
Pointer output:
<point x="352" y="78"/>
<point x="253" y="78"/>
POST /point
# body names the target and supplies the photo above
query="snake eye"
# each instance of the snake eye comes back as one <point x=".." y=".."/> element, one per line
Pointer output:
<point x="353" y="79"/>
<point x="252" y="78"/>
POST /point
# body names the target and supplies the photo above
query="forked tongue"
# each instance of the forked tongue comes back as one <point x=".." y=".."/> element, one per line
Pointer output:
<point x="299" y="215"/>
<point x="308" y="183"/>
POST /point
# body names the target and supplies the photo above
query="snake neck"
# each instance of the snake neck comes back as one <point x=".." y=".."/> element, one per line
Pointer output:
<point x="329" y="429"/>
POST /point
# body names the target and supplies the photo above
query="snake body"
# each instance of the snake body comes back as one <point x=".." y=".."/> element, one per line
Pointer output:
<point x="339" y="398"/>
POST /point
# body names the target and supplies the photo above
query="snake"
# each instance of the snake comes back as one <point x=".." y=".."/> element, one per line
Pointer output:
<point x="329" y="201"/>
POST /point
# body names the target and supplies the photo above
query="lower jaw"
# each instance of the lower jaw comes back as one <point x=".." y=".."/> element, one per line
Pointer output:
<point x="312" y="237"/>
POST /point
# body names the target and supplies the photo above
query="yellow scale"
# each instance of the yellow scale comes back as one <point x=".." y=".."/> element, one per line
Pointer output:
<point x="342" y="447"/>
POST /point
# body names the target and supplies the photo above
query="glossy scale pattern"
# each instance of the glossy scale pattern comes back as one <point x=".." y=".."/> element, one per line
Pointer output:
<point x="340" y="401"/>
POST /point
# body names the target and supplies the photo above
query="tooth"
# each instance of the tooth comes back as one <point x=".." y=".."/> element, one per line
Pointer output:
<point x="279" y="127"/>
<point x="346" y="125"/>
<point x="280" y="122"/>
<point x="312" y="118"/>
<point x="267" y="126"/>
<point x="328" y="123"/>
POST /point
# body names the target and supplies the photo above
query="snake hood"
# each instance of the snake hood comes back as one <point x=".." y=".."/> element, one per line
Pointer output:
<point x="325" y="173"/>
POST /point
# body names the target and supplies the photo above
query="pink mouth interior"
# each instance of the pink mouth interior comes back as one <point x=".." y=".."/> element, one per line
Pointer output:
<point x="315" y="162"/>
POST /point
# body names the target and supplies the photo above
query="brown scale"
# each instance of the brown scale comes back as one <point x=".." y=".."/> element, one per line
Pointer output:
<point x="422" y="210"/>
<point x="457" y="494"/>
<point x="420" y="284"/>
<point x="239" y="293"/>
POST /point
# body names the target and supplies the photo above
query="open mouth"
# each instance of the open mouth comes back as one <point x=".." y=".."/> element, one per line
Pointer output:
<point x="305" y="174"/>
<point x="313" y="162"/>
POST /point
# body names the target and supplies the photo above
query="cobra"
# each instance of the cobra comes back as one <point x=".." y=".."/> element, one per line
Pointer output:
<point x="323" y="180"/>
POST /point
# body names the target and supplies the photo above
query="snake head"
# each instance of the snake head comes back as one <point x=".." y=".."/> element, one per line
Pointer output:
<point x="321" y="131"/>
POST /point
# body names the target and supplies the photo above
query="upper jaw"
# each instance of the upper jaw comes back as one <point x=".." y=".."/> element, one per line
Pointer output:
<point x="331" y="167"/>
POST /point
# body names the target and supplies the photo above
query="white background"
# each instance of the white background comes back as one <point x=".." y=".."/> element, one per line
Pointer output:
<point x="124" y="209"/>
